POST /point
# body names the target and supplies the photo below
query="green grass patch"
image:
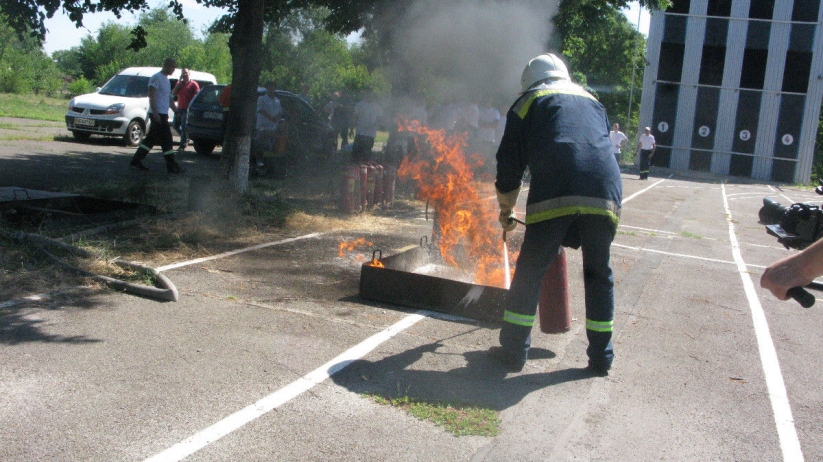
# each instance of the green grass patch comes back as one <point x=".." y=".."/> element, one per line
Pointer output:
<point x="691" y="235"/>
<point x="457" y="419"/>
<point x="627" y="233"/>
<point x="33" y="107"/>
<point x="381" y="137"/>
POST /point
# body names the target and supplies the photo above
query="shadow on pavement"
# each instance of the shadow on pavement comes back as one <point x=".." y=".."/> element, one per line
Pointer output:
<point x="481" y="382"/>
<point x="19" y="323"/>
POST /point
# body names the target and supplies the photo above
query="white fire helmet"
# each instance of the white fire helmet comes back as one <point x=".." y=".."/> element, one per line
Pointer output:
<point x="545" y="66"/>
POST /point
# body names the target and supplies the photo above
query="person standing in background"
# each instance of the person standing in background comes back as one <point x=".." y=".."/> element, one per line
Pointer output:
<point x="487" y="120"/>
<point x="646" y="145"/>
<point x="269" y="112"/>
<point x="618" y="140"/>
<point x="185" y="90"/>
<point x="368" y="114"/>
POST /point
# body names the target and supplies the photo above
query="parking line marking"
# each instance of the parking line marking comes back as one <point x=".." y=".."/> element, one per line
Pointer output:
<point x="235" y="252"/>
<point x="789" y="442"/>
<point x="240" y="418"/>
<point x="641" y="191"/>
<point x="683" y="255"/>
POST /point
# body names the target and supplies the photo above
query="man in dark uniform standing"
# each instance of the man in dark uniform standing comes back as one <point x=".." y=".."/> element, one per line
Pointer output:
<point x="561" y="133"/>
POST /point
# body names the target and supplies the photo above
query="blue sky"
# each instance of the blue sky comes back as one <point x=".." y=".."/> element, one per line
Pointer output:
<point x="63" y="34"/>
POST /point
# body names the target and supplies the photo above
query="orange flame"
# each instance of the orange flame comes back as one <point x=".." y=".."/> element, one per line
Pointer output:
<point x="445" y="178"/>
<point x="349" y="246"/>
<point x="376" y="263"/>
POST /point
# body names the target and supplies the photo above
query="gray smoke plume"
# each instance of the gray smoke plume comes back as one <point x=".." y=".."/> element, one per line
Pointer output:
<point x="468" y="48"/>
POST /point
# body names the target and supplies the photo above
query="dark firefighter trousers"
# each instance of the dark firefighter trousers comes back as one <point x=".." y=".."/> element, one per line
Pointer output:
<point x="540" y="246"/>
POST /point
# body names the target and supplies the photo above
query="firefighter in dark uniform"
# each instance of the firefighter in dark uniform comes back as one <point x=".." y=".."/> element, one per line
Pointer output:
<point x="561" y="133"/>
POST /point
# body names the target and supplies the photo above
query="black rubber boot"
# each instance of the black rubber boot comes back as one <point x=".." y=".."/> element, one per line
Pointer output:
<point x="137" y="160"/>
<point x="172" y="166"/>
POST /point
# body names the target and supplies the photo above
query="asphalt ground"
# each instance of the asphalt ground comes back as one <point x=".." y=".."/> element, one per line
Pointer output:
<point x="269" y="352"/>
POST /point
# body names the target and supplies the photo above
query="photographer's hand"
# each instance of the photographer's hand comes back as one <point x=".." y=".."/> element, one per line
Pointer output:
<point x="797" y="270"/>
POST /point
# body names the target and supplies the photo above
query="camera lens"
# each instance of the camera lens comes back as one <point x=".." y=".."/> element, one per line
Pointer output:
<point x="772" y="212"/>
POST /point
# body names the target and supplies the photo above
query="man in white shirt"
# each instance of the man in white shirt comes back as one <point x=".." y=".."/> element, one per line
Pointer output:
<point x="367" y="117"/>
<point x="160" y="101"/>
<point x="618" y="139"/>
<point x="646" y="145"/>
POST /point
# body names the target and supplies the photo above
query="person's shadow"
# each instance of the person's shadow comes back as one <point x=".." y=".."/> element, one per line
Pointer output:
<point x="481" y="382"/>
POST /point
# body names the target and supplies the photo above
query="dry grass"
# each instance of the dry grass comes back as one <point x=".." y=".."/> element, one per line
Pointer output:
<point x="271" y="210"/>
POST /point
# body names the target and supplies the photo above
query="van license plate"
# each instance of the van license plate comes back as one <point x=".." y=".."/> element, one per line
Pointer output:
<point x="213" y="115"/>
<point x="87" y="122"/>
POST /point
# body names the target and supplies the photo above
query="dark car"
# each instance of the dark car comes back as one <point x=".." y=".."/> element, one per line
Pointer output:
<point x="308" y="134"/>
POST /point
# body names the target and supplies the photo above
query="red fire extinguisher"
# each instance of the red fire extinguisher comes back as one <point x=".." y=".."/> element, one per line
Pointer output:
<point x="364" y="187"/>
<point x="378" y="184"/>
<point x="350" y="189"/>
<point x="371" y="178"/>
<point x="554" y="309"/>
<point x="389" y="179"/>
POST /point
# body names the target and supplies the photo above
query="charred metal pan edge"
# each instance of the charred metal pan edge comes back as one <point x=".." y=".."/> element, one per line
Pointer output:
<point x="398" y="285"/>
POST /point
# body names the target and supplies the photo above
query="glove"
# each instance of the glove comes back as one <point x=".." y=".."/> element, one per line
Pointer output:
<point x="507" y="221"/>
<point x="507" y="202"/>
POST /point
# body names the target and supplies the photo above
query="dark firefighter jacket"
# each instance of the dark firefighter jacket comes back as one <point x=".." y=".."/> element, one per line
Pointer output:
<point x="561" y="133"/>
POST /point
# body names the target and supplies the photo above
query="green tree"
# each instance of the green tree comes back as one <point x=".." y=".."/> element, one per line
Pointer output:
<point x="301" y="52"/>
<point x="103" y="55"/>
<point x="24" y="67"/>
<point x="68" y="61"/>
<point x="100" y="56"/>
<point x="601" y="44"/>
<point x="216" y="57"/>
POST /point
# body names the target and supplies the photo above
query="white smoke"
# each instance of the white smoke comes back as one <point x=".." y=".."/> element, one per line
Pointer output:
<point x="469" y="48"/>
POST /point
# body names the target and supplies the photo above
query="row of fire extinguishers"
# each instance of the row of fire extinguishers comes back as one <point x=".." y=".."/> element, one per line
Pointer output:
<point x="367" y="185"/>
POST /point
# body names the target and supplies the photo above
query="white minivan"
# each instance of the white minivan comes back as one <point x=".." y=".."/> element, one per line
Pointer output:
<point x="120" y="107"/>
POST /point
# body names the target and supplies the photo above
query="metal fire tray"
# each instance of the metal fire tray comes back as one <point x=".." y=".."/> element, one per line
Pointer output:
<point x="399" y="284"/>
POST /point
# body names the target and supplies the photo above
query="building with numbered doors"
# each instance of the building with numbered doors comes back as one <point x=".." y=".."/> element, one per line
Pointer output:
<point x="735" y="86"/>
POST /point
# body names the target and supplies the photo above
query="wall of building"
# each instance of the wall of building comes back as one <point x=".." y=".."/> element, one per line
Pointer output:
<point x="735" y="86"/>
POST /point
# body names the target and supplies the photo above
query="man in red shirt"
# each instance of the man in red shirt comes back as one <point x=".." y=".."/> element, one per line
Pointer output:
<point x="184" y="91"/>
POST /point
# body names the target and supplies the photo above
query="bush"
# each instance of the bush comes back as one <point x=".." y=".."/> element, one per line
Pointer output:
<point x="80" y="86"/>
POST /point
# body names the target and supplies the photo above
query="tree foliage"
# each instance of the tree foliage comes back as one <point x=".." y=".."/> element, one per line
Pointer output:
<point x="24" y="67"/>
<point x="300" y="52"/>
<point x="601" y="44"/>
<point x="100" y="56"/>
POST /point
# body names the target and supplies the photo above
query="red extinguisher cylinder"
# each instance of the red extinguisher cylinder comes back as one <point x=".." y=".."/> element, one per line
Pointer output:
<point x="389" y="180"/>
<point x="364" y="187"/>
<point x="553" y="308"/>
<point x="350" y="189"/>
<point x="378" y="184"/>
<point x="371" y="178"/>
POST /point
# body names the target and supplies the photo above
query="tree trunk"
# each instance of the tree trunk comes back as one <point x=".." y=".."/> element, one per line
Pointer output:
<point x="246" y="45"/>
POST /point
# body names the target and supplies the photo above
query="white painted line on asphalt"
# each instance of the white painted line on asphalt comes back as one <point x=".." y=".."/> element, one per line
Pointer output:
<point x="641" y="191"/>
<point x="656" y="231"/>
<point x="238" y="251"/>
<point x="240" y="418"/>
<point x="789" y="443"/>
<point x="714" y="260"/>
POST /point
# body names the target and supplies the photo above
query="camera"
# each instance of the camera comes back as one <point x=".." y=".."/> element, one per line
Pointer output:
<point x="797" y="226"/>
